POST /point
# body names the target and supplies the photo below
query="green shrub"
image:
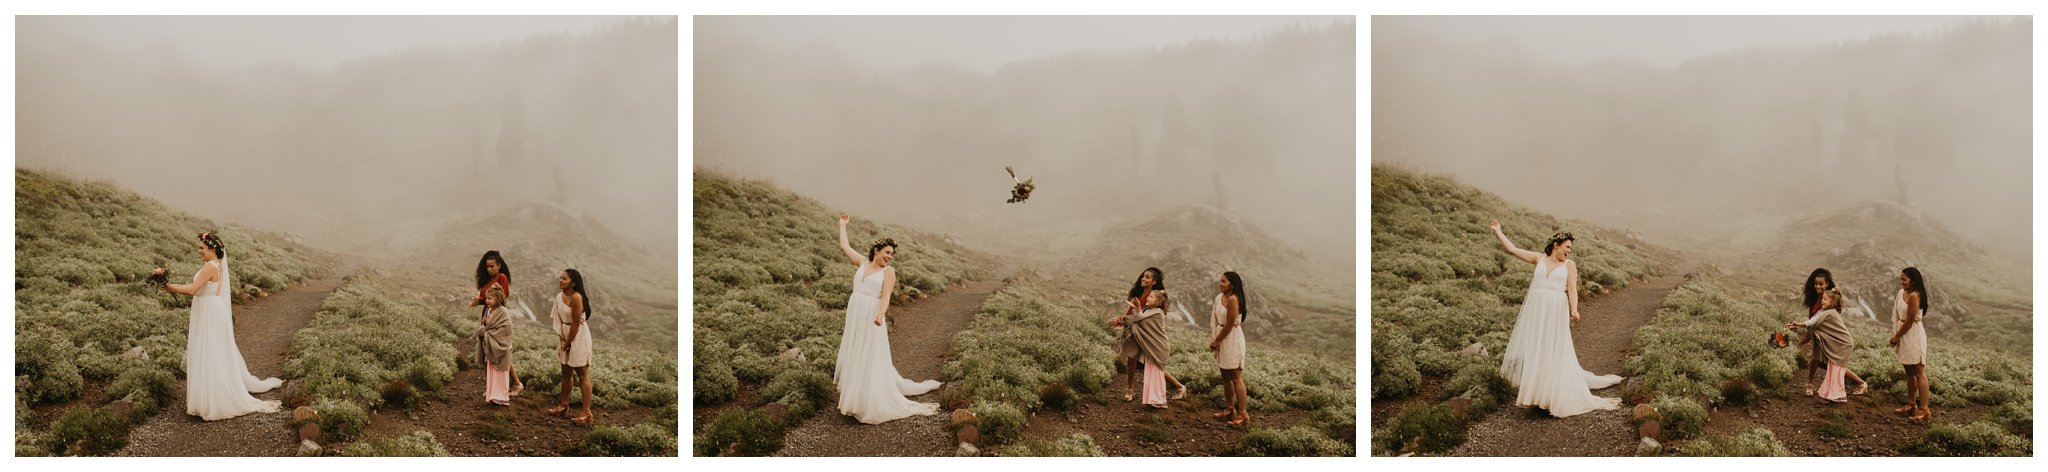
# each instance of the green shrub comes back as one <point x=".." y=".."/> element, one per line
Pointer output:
<point x="1738" y="391"/>
<point x="498" y="428"/>
<point x="2017" y="417"/>
<point x="363" y="339"/>
<point x="713" y="382"/>
<point x="1073" y="444"/>
<point x="399" y="394"/>
<point x="1395" y="379"/>
<point x="1982" y="438"/>
<point x="1680" y="418"/>
<point x="1023" y="339"/>
<point x="1154" y="432"/>
<point x="44" y="367"/>
<point x="146" y="387"/>
<point x="1422" y="428"/>
<point x="1057" y="397"/>
<point x="640" y="440"/>
<point x="1297" y="441"/>
<point x="1086" y="381"/>
<point x="341" y="420"/>
<point x="31" y="444"/>
<point x="803" y="390"/>
<point x="999" y="422"/>
<point x="1701" y="338"/>
<point x="88" y="431"/>
<point x="1481" y="383"/>
<point x="413" y="444"/>
<point x="1750" y="442"/>
<point x="1837" y="427"/>
<point x="739" y="432"/>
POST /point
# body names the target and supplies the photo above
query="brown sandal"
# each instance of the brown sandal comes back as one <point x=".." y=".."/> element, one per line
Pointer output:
<point x="581" y="420"/>
<point x="557" y="410"/>
<point x="1241" y="422"/>
<point x="1223" y="414"/>
<point x="1903" y="410"/>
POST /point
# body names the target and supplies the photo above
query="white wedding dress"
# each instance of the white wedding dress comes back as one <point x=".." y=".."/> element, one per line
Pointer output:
<point x="1540" y="359"/>
<point x="217" y="381"/>
<point x="870" y="389"/>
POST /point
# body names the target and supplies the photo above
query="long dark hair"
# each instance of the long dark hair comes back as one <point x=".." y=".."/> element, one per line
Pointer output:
<point x="576" y="281"/>
<point x="1813" y="296"/>
<point x="1237" y="290"/>
<point x="483" y="275"/>
<point x="1555" y="240"/>
<point x="1919" y="286"/>
<point x="1138" y="285"/>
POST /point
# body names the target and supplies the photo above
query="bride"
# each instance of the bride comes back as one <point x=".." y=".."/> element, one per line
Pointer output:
<point x="870" y="389"/>
<point x="1540" y="359"/>
<point x="217" y="381"/>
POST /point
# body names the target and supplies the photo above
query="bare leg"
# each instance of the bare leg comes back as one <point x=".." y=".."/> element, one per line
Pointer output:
<point x="568" y="378"/>
<point x="1912" y="390"/>
<point x="1920" y="381"/>
<point x="583" y="373"/>
<point x="1229" y="394"/>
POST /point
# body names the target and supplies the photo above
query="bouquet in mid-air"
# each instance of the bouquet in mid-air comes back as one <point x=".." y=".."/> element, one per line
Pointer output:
<point x="1022" y="191"/>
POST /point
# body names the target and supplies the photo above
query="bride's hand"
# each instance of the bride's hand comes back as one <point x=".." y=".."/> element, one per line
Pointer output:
<point x="1575" y="316"/>
<point x="1495" y="224"/>
<point x="878" y="321"/>
<point x="843" y="218"/>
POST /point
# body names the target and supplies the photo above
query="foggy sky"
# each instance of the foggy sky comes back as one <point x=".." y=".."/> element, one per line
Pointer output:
<point x="985" y="43"/>
<point x="1658" y="40"/>
<point x="313" y="42"/>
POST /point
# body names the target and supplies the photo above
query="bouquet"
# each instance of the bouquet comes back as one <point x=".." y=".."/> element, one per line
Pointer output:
<point x="158" y="277"/>
<point x="1780" y="339"/>
<point x="1022" y="191"/>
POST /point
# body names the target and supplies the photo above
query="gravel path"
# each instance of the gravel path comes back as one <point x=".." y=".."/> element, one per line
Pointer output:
<point x="918" y="341"/>
<point x="1602" y="339"/>
<point x="263" y="329"/>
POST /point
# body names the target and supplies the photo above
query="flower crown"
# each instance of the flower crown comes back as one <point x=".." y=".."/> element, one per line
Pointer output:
<point x="877" y="246"/>
<point x="1560" y="237"/>
<point x="210" y="240"/>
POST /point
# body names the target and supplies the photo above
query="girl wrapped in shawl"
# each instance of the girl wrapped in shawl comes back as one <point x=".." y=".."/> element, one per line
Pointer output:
<point x="1831" y="331"/>
<point x="1149" y="330"/>
<point x="494" y="347"/>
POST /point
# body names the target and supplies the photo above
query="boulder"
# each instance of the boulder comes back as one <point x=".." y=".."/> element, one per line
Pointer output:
<point x="1649" y="447"/>
<point x="1645" y="412"/>
<point x="122" y="409"/>
<point x="1650" y="430"/>
<point x="308" y="448"/>
<point x="776" y="412"/>
<point x="967" y="435"/>
<point x="310" y="432"/>
<point x="962" y="416"/>
<point x="136" y="353"/>
<point x="305" y="414"/>
<point x="1474" y="350"/>
<point x="793" y="354"/>
<point x="1459" y="406"/>
<point x="967" y="450"/>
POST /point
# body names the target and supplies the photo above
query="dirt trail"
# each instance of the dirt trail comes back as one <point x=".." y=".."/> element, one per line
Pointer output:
<point x="263" y="330"/>
<point x="918" y="340"/>
<point x="1602" y="338"/>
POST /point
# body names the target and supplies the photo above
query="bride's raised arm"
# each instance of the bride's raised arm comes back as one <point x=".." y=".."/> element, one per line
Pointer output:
<point x="206" y="274"/>
<point x="1519" y="253"/>
<point x="847" y="248"/>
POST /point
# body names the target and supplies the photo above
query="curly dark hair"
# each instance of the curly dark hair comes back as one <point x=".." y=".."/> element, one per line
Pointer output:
<point x="483" y="273"/>
<point x="1555" y="240"/>
<point x="1138" y="287"/>
<point x="884" y="242"/>
<point x="212" y="241"/>
<point x="1813" y="296"/>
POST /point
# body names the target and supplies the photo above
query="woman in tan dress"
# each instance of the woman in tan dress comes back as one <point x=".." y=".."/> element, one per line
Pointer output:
<point x="572" y="316"/>
<point x="1227" y="341"/>
<point x="1909" y="337"/>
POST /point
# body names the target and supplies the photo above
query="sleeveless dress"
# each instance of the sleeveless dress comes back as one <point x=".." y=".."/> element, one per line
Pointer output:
<point x="217" y="380"/>
<point x="1913" y="346"/>
<point x="1540" y="359"/>
<point x="870" y="389"/>
<point x="579" y="348"/>
<point x="1229" y="353"/>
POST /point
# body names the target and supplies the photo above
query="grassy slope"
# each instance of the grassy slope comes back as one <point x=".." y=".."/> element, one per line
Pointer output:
<point x="82" y="252"/>
<point x="1440" y="283"/>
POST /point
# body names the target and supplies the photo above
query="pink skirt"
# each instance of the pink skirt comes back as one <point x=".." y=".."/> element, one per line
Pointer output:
<point x="1832" y="387"/>
<point x="1155" y="384"/>
<point x="497" y="384"/>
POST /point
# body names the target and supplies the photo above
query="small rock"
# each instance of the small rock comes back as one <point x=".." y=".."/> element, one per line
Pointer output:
<point x="1459" y="405"/>
<point x="962" y="416"/>
<point x="1474" y="350"/>
<point x="309" y="432"/>
<point x="309" y="448"/>
<point x="1650" y="430"/>
<point x="793" y="354"/>
<point x="1407" y="454"/>
<point x="776" y="412"/>
<point x="305" y="414"/>
<point x="967" y="435"/>
<point x="1649" y="447"/>
<point x="121" y="409"/>
<point x="967" y="450"/>
<point x="136" y="353"/>
<point x="1645" y="412"/>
